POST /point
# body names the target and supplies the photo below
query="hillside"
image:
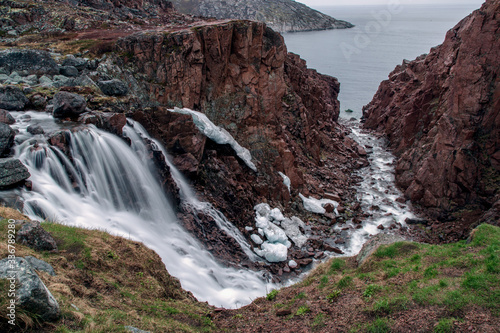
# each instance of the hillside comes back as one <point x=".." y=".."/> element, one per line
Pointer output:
<point x="280" y="15"/>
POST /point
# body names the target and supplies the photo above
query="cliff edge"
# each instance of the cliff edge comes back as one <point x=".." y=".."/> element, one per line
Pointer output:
<point x="441" y="113"/>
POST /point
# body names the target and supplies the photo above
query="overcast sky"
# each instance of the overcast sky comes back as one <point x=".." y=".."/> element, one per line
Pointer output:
<point x="316" y="3"/>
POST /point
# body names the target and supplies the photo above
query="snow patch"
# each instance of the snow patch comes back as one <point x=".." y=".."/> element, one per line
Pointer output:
<point x="317" y="206"/>
<point x="276" y="243"/>
<point x="217" y="134"/>
<point x="286" y="180"/>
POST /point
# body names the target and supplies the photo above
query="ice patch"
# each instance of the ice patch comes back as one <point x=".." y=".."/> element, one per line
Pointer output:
<point x="317" y="206"/>
<point x="286" y="180"/>
<point x="273" y="252"/>
<point x="256" y="239"/>
<point x="217" y="134"/>
<point x="267" y="221"/>
<point x="292" y="230"/>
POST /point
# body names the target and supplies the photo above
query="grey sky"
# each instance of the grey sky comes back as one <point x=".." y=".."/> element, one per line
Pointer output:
<point x="316" y="3"/>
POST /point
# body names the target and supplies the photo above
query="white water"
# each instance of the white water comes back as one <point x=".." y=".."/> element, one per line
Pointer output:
<point x="112" y="189"/>
<point x="136" y="132"/>
<point x="377" y="189"/>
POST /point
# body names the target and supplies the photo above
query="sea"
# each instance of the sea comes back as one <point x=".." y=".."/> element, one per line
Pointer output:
<point x="362" y="57"/>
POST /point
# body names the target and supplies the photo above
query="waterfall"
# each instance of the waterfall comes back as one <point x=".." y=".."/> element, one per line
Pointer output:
<point x="136" y="132"/>
<point x="109" y="185"/>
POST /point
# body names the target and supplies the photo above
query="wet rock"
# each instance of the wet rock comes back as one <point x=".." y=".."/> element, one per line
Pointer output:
<point x="12" y="98"/>
<point x="111" y="122"/>
<point x="7" y="135"/>
<point x="6" y="117"/>
<point x="68" y="105"/>
<point x="32" y="295"/>
<point x="380" y="227"/>
<point x="30" y="61"/>
<point x="33" y="235"/>
<point x="329" y="208"/>
<point x="70" y="71"/>
<point x="40" y="265"/>
<point x="416" y="221"/>
<point x="35" y="130"/>
<point x="13" y="173"/>
<point x="113" y="87"/>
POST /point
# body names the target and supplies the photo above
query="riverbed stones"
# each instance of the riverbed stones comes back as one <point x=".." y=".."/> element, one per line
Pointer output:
<point x="6" y="117"/>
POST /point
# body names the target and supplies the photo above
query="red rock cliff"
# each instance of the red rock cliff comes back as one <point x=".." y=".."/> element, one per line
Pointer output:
<point x="240" y="75"/>
<point x="441" y="113"/>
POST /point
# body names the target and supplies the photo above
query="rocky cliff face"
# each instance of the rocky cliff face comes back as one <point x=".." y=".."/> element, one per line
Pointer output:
<point x="441" y="113"/>
<point x="280" y="15"/>
<point x="240" y="75"/>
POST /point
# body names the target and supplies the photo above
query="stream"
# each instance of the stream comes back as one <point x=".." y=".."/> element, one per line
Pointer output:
<point x="103" y="183"/>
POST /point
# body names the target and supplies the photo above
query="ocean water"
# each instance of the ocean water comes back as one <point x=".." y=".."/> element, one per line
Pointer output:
<point x="384" y="35"/>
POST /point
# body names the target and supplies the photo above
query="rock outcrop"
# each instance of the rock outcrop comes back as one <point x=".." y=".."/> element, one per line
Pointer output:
<point x="280" y="15"/>
<point x="441" y="113"/>
<point x="240" y="75"/>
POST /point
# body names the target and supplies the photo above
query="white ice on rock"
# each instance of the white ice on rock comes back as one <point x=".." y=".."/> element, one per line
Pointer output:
<point x="275" y="247"/>
<point x="317" y="206"/>
<point x="256" y="239"/>
<point x="286" y="180"/>
<point x="217" y="134"/>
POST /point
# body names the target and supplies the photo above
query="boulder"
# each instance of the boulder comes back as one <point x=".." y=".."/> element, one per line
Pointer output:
<point x="6" y="139"/>
<point x="113" y="87"/>
<point x="40" y="265"/>
<point x="33" y="235"/>
<point x="31" y="61"/>
<point x="32" y="295"/>
<point x="12" y="98"/>
<point x="6" y="117"/>
<point x="68" y="71"/>
<point x="373" y="243"/>
<point x="38" y="102"/>
<point x="35" y="130"/>
<point x="12" y="173"/>
<point x="67" y="104"/>
<point x="78" y="63"/>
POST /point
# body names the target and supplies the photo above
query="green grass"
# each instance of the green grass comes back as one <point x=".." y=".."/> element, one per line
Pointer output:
<point x="445" y="325"/>
<point x="272" y="295"/>
<point x="302" y="310"/>
<point x="379" y="325"/>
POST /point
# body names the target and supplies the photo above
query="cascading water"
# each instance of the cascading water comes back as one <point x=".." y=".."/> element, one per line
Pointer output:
<point x="108" y="185"/>
<point x="136" y="133"/>
<point x="377" y="191"/>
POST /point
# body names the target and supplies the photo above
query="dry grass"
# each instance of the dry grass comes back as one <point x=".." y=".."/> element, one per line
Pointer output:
<point x="104" y="283"/>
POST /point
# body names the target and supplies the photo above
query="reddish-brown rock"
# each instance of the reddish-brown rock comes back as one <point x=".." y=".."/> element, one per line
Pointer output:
<point x="441" y="113"/>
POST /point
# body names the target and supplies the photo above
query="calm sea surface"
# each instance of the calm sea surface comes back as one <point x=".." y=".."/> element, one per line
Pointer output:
<point x="363" y="56"/>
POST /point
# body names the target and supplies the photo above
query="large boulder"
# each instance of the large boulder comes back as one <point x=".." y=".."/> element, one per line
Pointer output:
<point x="12" y="173"/>
<point x="32" y="295"/>
<point x="78" y="63"/>
<point x="40" y="265"/>
<point x="6" y="117"/>
<point x="33" y="235"/>
<point x="12" y="98"/>
<point x="7" y="135"/>
<point x="31" y="61"/>
<point x="71" y="71"/>
<point x="67" y="104"/>
<point x="373" y="244"/>
<point x="113" y="87"/>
